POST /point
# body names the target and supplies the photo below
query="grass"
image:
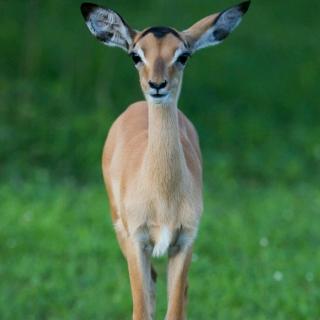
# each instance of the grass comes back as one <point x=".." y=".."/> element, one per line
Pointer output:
<point x="256" y="256"/>
<point x="255" y="103"/>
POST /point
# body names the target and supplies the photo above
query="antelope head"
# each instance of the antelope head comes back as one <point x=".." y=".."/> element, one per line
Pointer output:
<point x="160" y="54"/>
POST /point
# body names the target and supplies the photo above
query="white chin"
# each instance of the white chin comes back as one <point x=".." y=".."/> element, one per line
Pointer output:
<point x="158" y="100"/>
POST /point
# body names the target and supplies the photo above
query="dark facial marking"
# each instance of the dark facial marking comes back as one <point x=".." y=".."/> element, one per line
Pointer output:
<point x="160" y="32"/>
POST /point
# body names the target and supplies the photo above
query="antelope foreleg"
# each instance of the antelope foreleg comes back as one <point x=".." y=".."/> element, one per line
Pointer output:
<point x="177" y="284"/>
<point x="140" y="280"/>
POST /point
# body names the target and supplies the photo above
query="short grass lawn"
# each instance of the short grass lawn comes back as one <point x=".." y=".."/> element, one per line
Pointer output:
<point x="257" y="255"/>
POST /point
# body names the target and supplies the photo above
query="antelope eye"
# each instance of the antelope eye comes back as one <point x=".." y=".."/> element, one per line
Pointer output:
<point x="135" y="57"/>
<point x="183" y="58"/>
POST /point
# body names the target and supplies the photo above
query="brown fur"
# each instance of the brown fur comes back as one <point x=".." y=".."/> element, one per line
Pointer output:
<point x="151" y="159"/>
<point x="153" y="154"/>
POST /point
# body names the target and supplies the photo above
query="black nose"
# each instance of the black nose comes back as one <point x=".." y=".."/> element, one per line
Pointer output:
<point x="158" y="86"/>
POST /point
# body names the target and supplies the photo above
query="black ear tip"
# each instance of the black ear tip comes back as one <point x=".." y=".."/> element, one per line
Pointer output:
<point x="86" y="8"/>
<point x="244" y="6"/>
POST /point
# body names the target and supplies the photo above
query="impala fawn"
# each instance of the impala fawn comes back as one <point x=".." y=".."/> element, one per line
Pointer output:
<point x="151" y="159"/>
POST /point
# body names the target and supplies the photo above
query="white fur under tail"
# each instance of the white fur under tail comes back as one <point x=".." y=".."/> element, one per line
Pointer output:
<point x="163" y="242"/>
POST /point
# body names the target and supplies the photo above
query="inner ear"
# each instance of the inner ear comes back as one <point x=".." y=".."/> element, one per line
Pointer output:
<point x="228" y="20"/>
<point x="214" y="29"/>
<point x="107" y="26"/>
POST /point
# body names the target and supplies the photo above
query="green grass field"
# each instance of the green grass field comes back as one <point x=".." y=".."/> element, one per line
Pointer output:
<point x="255" y="103"/>
<point x="256" y="257"/>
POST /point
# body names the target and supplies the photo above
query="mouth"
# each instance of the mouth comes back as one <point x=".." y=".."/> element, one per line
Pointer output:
<point x="158" y="95"/>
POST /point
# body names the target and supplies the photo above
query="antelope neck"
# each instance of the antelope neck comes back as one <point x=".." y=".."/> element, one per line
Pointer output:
<point x="165" y="157"/>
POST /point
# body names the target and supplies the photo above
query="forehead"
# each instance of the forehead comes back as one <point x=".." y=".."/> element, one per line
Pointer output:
<point x="159" y="39"/>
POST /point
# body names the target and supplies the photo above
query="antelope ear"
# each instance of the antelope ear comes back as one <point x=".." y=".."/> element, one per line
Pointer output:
<point x="107" y="26"/>
<point x="215" y="28"/>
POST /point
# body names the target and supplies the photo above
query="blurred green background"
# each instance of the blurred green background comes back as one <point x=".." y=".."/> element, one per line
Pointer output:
<point x="255" y="102"/>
